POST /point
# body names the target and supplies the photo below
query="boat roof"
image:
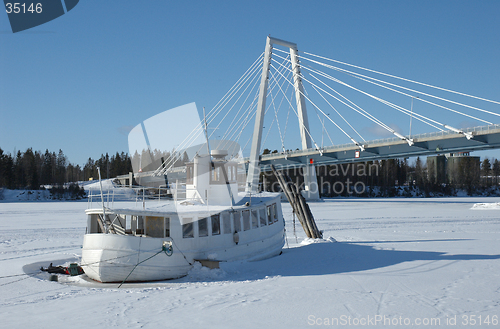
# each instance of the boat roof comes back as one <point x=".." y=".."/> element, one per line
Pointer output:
<point x="186" y="208"/>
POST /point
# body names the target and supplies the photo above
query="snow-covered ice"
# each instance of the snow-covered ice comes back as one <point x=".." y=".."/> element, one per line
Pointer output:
<point x="402" y="261"/>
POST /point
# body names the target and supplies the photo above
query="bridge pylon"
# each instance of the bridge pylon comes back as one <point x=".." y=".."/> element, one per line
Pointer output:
<point x="311" y="190"/>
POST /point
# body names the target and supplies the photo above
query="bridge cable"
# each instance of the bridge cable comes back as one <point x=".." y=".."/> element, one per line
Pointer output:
<point x="169" y="162"/>
<point x="249" y="118"/>
<point x="276" y="117"/>
<point x="349" y="136"/>
<point x="274" y="83"/>
<point x="287" y="115"/>
<point x="378" y="99"/>
<point x="363" y="112"/>
<point x="404" y="79"/>
<point x="355" y="142"/>
<point x="255" y="81"/>
<point x="403" y="110"/>
<point x="352" y="139"/>
<point x="296" y="113"/>
<point x="255" y="65"/>
<point x="271" y="87"/>
<point x="233" y="126"/>
<point x="315" y="88"/>
<point x="374" y="118"/>
<point x="368" y="115"/>
<point x="357" y="75"/>
<point x="361" y="76"/>
<point x="289" y="106"/>
<point x="323" y="129"/>
<point x="245" y="122"/>
<point x="221" y="105"/>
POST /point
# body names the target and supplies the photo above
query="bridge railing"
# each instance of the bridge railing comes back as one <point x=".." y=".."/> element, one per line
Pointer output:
<point x="388" y="140"/>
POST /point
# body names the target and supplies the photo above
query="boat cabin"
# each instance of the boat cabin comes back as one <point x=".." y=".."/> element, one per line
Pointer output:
<point x="212" y="180"/>
<point x="187" y="225"/>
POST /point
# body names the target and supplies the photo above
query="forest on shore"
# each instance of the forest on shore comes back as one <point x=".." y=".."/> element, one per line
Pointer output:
<point x="35" y="170"/>
<point x="397" y="177"/>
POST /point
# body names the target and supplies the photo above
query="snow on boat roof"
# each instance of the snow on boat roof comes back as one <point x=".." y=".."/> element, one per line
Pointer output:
<point x="163" y="207"/>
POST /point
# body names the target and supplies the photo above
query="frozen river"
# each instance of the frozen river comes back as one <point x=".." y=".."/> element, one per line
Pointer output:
<point x="396" y="263"/>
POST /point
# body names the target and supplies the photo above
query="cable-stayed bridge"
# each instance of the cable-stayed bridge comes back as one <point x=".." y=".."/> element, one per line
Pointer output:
<point x="338" y="106"/>
<point x="484" y="137"/>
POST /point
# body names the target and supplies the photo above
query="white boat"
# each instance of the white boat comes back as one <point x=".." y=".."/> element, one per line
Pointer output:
<point x="157" y="238"/>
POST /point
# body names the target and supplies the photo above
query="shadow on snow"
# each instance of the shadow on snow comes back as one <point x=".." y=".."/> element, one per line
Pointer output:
<point x="338" y="258"/>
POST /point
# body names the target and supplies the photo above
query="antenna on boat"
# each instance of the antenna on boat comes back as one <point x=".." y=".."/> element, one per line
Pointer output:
<point x="102" y="201"/>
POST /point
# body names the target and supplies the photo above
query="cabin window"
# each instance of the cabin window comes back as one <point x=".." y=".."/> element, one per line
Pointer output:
<point x="167" y="227"/>
<point x="116" y="224"/>
<point x="237" y="221"/>
<point x="262" y="215"/>
<point x="217" y="176"/>
<point x="189" y="173"/>
<point x="226" y="222"/>
<point x="128" y="224"/>
<point x="274" y="211"/>
<point x="95" y="224"/>
<point x="155" y="226"/>
<point x="202" y="227"/>
<point x="234" y="174"/>
<point x="269" y="215"/>
<point x="255" y="219"/>
<point x="246" y="220"/>
<point x="231" y="172"/>
<point x="119" y="223"/>
<point x="215" y="224"/>
<point x="222" y="173"/>
<point x="188" y="229"/>
<point x="140" y="225"/>
<point x="214" y="174"/>
<point x="133" y="224"/>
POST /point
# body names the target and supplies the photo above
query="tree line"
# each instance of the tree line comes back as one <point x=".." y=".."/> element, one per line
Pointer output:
<point x="397" y="177"/>
<point x="35" y="169"/>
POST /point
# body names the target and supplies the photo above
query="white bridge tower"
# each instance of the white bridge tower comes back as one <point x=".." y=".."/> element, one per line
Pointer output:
<point x="309" y="171"/>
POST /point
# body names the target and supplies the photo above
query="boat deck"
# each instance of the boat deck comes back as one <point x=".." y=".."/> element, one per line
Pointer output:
<point x="169" y="206"/>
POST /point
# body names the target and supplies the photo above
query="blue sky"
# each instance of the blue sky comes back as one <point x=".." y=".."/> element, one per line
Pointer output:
<point x="80" y="82"/>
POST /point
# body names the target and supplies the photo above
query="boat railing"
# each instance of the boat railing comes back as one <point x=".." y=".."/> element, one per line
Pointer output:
<point x="142" y="195"/>
<point x="137" y="194"/>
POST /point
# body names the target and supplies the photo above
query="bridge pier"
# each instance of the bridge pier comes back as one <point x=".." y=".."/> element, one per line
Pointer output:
<point x="311" y="189"/>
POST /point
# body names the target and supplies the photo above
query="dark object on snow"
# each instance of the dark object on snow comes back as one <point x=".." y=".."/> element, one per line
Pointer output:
<point x="299" y="204"/>
<point x="72" y="270"/>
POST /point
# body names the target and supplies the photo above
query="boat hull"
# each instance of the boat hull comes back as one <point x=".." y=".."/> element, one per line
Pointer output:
<point x="118" y="258"/>
<point x="113" y="258"/>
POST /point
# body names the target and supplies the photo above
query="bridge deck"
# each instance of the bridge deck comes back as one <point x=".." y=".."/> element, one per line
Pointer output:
<point x="485" y="137"/>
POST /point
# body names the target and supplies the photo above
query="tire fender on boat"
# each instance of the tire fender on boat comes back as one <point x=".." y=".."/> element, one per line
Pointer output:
<point x="167" y="248"/>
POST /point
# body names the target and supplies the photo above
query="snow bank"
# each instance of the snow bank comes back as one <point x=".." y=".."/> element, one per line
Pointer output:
<point x="202" y="273"/>
<point x="107" y="184"/>
<point x="495" y="205"/>
<point x="24" y="195"/>
<point x="308" y="241"/>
